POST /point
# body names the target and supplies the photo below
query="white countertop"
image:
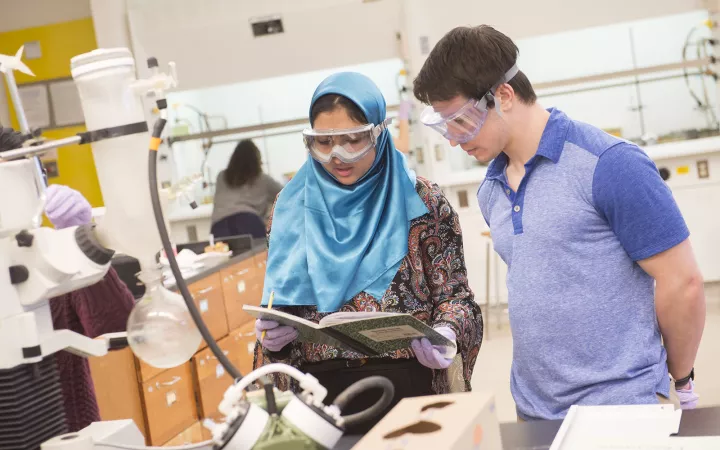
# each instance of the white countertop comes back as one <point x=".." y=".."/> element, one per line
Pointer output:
<point x="185" y="212"/>
<point x="683" y="148"/>
<point x="472" y="176"/>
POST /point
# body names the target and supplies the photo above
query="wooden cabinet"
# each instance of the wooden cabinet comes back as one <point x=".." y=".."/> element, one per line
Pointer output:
<point x="116" y="387"/>
<point x="208" y="296"/>
<point x="169" y="404"/>
<point x="241" y="285"/>
<point x="211" y="379"/>
<point x="260" y="261"/>
<point x="147" y="371"/>
<point x="242" y="347"/>
<point x="193" y="435"/>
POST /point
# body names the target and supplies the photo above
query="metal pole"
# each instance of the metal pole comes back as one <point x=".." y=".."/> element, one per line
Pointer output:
<point x="25" y="127"/>
<point x="17" y="101"/>
<point x="615" y="85"/>
<point x="713" y="7"/>
<point x="26" y="152"/>
<point x="264" y="140"/>
<point x="260" y="128"/>
<point x="640" y="106"/>
<point x="625" y="73"/>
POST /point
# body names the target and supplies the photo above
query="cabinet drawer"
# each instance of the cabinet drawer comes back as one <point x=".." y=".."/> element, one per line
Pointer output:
<point x="116" y="387"/>
<point x="261" y="265"/>
<point x="242" y="347"/>
<point x="240" y="284"/>
<point x="211" y="379"/>
<point x="169" y="404"/>
<point x="205" y="362"/>
<point x="261" y="260"/>
<point x="193" y="435"/>
<point x="147" y="371"/>
<point x="208" y="296"/>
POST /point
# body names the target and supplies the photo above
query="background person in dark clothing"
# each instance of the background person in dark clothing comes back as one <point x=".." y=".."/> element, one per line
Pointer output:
<point x="243" y="194"/>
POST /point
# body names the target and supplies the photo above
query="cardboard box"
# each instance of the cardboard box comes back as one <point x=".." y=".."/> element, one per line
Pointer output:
<point x="463" y="421"/>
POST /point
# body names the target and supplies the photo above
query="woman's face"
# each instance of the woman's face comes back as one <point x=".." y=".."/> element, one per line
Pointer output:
<point x="345" y="173"/>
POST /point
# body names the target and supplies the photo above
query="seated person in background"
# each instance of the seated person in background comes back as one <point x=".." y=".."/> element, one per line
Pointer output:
<point x="364" y="233"/>
<point x="91" y="311"/>
<point x="243" y="194"/>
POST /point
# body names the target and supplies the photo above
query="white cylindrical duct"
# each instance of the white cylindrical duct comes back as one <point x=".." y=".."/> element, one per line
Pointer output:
<point x="18" y="209"/>
<point x="104" y="80"/>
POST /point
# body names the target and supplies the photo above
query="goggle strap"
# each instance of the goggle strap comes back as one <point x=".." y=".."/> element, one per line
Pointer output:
<point x="509" y="75"/>
<point x="382" y="127"/>
<point x="490" y="96"/>
<point x="376" y="130"/>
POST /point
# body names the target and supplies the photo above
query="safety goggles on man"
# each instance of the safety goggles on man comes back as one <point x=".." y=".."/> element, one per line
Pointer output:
<point x="465" y="123"/>
<point x="348" y="145"/>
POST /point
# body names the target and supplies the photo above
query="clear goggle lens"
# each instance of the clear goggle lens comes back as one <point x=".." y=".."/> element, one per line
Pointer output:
<point x="348" y="145"/>
<point x="461" y="126"/>
<point x="465" y="123"/>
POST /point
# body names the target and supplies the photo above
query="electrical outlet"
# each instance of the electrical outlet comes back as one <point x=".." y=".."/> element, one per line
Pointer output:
<point x="439" y="152"/>
<point x="702" y="169"/>
<point x="463" y="198"/>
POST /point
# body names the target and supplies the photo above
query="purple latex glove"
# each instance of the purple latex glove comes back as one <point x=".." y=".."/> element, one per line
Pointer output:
<point x="435" y="356"/>
<point x="277" y="336"/>
<point x="405" y="107"/>
<point x="688" y="398"/>
<point x="67" y="207"/>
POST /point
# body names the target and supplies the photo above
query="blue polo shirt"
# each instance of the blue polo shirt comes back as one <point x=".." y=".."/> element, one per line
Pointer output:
<point x="582" y="311"/>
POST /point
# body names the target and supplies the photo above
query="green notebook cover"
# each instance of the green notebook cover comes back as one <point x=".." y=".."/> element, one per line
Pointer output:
<point x="365" y="332"/>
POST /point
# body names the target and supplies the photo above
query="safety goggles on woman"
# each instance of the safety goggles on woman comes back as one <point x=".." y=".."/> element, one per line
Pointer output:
<point x="465" y="123"/>
<point x="348" y="145"/>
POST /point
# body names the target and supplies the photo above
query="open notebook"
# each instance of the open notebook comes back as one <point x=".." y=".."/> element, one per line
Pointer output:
<point x="368" y="333"/>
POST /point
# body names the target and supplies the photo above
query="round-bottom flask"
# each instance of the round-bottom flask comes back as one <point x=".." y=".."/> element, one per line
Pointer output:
<point x="160" y="330"/>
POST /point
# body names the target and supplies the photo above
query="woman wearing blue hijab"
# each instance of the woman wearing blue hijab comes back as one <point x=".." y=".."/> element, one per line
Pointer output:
<point x="356" y="230"/>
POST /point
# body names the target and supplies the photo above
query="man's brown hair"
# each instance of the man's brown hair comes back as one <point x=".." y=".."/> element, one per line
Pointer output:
<point x="469" y="61"/>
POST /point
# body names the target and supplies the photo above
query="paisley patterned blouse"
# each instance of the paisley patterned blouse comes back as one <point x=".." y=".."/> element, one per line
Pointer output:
<point x="431" y="284"/>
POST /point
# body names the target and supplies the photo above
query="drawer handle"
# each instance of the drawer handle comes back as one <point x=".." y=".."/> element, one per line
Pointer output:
<point x="168" y="383"/>
<point x="206" y="290"/>
<point x="225" y="352"/>
<point x="245" y="335"/>
<point x="243" y="272"/>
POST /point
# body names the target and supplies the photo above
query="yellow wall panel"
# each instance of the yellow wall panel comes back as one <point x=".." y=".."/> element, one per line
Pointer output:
<point x="58" y="44"/>
<point x="76" y="167"/>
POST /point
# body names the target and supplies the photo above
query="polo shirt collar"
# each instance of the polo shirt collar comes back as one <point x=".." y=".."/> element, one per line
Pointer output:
<point x="550" y="147"/>
<point x="554" y="135"/>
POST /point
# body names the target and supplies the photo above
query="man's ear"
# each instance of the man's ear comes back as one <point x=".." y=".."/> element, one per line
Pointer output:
<point x="504" y="97"/>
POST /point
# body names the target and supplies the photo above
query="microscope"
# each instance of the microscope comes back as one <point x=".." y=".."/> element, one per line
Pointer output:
<point x="38" y="263"/>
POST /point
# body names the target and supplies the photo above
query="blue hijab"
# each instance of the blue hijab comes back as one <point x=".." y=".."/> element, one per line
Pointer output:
<point x="329" y="242"/>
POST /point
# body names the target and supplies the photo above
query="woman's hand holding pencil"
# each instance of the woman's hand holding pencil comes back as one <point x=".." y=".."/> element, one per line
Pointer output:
<point x="271" y="334"/>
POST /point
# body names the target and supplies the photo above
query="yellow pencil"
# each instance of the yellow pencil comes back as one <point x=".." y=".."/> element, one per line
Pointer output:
<point x="272" y="296"/>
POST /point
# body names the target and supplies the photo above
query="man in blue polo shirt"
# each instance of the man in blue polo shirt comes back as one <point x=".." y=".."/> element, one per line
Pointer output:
<point x="605" y="296"/>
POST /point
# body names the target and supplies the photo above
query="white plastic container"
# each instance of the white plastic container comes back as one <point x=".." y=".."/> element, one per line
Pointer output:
<point x="18" y="210"/>
<point x="104" y="80"/>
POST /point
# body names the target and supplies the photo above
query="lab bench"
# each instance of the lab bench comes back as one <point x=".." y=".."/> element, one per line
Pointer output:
<point x="539" y="435"/>
<point x="188" y="225"/>
<point x="168" y="405"/>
